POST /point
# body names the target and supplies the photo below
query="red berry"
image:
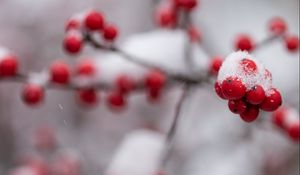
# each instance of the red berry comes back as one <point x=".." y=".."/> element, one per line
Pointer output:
<point x="272" y="101"/>
<point x="166" y="17"/>
<point x="73" y="24"/>
<point x="73" y="42"/>
<point x="116" y="100"/>
<point x="255" y="95"/>
<point x="33" y="94"/>
<point x="294" y="131"/>
<point x="277" y="26"/>
<point x="88" y="96"/>
<point x="110" y="32"/>
<point x="233" y="88"/>
<point x="125" y="84"/>
<point x="94" y="20"/>
<point x="279" y="116"/>
<point x="219" y="91"/>
<point x="237" y="106"/>
<point x="187" y="4"/>
<point x="248" y="66"/>
<point x="85" y="67"/>
<point x="292" y="43"/>
<point x="8" y="66"/>
<point x="154" y="94"/>
<point x="215" y="65"/>
<point x="194" y="34"/>
<point x="155" y="80"/>
<point x="60" y="72"/>
<point x="244" y="42"/>
<point x="250" y="114"/>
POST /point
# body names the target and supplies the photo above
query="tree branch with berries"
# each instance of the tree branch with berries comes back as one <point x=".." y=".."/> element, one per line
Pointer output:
<point x="239" y="78"/>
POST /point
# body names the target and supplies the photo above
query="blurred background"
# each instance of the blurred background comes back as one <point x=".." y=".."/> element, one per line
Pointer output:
<point x="210" y="139"/>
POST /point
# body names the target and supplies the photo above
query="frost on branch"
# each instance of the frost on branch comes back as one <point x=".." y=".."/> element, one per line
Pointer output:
<point x="247" y="84"/>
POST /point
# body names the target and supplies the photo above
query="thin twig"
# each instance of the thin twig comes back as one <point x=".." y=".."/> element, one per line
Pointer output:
<point x="172" y="131"/>
<point x="141" y="62"/>
<point x="265" y="42"/>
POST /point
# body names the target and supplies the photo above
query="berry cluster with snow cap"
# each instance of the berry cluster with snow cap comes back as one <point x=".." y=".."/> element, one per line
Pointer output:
<point x="89" y="22"/>
<point x="247" y="84"/>
<point x="287" y="119"/>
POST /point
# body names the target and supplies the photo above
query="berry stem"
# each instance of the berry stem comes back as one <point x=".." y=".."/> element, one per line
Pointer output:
<point x="267" y="41"/>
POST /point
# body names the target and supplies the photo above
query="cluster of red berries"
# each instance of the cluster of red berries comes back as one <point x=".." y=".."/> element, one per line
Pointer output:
<point x="88" y="22"/>
<point x="8" y="63"/>
<point x="124" y="84"/>
<point x="168" y="16"/>
<point x="277" y="27"/>
<point x="245" y="91"/>
<point x="62" y="163"/>
<point x="85" y="71"/>
<point x="287" y="119"/>
<point x="168" y="12"/>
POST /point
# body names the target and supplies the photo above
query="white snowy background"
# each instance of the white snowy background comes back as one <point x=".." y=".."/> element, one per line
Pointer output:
<point x="210" y="139"/>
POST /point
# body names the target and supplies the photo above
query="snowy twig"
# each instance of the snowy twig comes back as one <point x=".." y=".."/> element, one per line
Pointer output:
<point x="139" y="61"/>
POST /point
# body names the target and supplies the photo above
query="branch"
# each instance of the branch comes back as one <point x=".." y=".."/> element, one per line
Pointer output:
<point x="172" y="131"/>
<point x="139" y="61"/>
<point x="267" y="41"/>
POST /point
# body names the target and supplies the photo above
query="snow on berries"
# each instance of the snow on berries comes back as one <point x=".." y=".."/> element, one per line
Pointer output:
<point x="247" y="84"/>
<point x="90" y="23"/>
<point x="75" y="22"/>
<point x="8" y="63"/>
<point x="33" y="92"/>
<point x="73" y="42"/>
<point x="287" y="118"/>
